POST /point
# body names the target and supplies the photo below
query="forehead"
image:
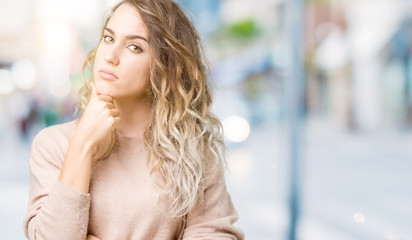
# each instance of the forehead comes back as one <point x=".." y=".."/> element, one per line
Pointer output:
<point x="126" y="20"/>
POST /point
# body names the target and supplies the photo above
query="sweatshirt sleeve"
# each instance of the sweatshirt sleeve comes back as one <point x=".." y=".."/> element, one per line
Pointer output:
<point x="54" y="211"/>
<point x="214" y="218"/>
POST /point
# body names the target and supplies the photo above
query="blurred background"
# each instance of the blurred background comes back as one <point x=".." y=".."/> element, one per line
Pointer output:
<point x="315" y="97"/>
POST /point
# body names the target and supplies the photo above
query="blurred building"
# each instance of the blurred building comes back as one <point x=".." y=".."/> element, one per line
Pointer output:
<point x="358" y="96"/>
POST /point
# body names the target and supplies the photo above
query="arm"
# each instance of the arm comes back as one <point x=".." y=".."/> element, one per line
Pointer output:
<point x="76" y="170"/>
<point x="55" y="210"/>
<point x="214" y="218"/>
<point x="59" y="199"/>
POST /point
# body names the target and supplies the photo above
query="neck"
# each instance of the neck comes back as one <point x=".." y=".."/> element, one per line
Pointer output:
<point x="135" y="116"/>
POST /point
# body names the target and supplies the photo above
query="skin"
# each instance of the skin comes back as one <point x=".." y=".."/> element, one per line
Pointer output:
<point x="119" y="105"/>
<point x="129" y="59"/>
<point x="91" y="237"/>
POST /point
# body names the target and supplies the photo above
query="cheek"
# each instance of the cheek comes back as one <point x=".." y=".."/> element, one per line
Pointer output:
<point x="146" y="69"/>
<point x="99" y="54"/>
<point x="97" y="61"/>
<point x="137" y="70"/>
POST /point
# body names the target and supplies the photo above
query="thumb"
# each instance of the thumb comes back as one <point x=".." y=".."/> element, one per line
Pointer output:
<point x="94" y="90"/>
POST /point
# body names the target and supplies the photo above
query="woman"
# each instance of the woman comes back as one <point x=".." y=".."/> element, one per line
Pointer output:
<point x="144" y="161"/>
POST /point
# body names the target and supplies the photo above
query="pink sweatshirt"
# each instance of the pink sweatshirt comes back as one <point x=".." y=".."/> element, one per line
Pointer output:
<point x="123" y="200"/>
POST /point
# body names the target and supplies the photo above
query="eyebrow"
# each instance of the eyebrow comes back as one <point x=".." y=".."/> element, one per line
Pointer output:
<point x="129" y="36"/>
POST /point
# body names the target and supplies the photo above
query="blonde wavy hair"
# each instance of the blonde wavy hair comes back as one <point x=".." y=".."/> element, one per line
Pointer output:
<point x="184" y="138"/>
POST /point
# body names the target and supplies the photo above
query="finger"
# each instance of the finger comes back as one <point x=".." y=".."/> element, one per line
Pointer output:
<point x="91" y="237"/>
<point x="106" y="98"/>
<point x="116" y="122"/>
<point x="110" y="105"/>
<point x="94" y="90"/>
<point x="115" y="112"/>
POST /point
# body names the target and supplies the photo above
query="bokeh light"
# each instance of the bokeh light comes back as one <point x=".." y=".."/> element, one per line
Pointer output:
<point x="236" y="128"/>
<point x="24" y="74"/>
<point x="358" y="217"/>
<point x="7" y="85"/>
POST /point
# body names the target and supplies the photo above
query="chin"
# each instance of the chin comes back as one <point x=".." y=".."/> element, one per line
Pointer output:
<point x="103" y="89"/>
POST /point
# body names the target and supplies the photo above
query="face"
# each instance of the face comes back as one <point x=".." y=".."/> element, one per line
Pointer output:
<point x="122" y="64"/>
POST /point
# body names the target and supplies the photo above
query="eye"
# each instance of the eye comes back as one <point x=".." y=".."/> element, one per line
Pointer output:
<point x="135" y="48"/>
<point x="108" y="39"/>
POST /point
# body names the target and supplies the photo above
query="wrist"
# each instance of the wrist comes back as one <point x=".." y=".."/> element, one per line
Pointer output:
<point x="82" y="143"/>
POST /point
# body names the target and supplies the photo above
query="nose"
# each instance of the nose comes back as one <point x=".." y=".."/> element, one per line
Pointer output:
<point x="111" y="56"/>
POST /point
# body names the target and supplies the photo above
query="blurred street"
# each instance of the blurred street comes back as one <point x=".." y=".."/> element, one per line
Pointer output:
<point x="14" y="183"/>
<point x="343" y="68"/>
<point x="339" y="201"/>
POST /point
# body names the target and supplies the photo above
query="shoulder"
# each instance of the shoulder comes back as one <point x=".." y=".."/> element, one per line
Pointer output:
<point x="214" y="167"/>
<point x="54" y="140"/>
<point x="56" y="132"/>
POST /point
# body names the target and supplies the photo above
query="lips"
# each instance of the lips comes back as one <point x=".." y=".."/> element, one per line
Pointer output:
<point x="107" y="75"/>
